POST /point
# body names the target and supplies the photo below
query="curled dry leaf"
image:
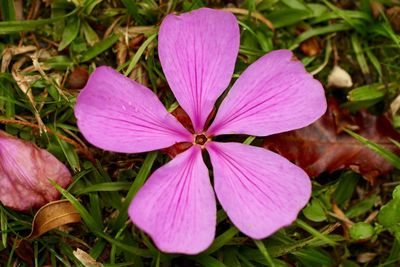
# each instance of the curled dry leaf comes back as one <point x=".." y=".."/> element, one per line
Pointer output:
<point x="324" y="147"/>
<point x="310" y="47"/>
<point x="122" y="51"/>
<point x="366" y="257"/>
<point x="393" y="14"/>
<point x="339" y="78"/>
<point x="9" y="52"/>
<point x="376" y="8"/>
<point x="24" y="84"/>
<point x="25" y="170"/>
<point x="53" y="215"/>
<point x="86" y="259"/>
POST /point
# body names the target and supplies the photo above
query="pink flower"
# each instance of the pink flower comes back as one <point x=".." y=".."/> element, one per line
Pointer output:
<point x="259" y="190"/>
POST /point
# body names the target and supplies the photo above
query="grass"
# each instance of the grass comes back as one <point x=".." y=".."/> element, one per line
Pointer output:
<point x="123" y="34"/>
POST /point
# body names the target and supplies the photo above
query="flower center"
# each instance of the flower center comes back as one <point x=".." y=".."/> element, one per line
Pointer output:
<point x="200" y="139"/>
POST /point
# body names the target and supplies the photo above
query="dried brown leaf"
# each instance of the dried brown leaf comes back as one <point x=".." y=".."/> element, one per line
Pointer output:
<point x="393" y="14"/>
<point x="122" y="51"/>
<point x="86" y="259"/>
<point x="53" y="215"/>
<point x="324" y="147"/>
<point x="310" y="47"/>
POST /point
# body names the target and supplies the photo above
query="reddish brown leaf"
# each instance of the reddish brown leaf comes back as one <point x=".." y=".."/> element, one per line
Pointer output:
<point x="136" y="42"/>
<point x="393" y="14"/>
<point x="376" y="8"/>
<point x="310" y="47"/>
<point x="323" y="147"/>
<point x="24" y="251"/>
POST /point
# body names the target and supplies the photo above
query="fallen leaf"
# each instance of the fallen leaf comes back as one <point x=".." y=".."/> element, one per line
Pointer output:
<point x="23" y="83"/>
<point x="310" y="47"/>
<point x="324" y="147"/>
<point x="25" y="170"/>
<point x="393" y="14"/>
<point x="135" y="42"/>
<point x="53" y="215"/>
<point x="122" y="51"/>
<point x="86" y="259"/>
<point x="9" y="52"/>
<point x="376" y="8"/>
<point x="24" y="250"/>
<point x="366" y="257"/>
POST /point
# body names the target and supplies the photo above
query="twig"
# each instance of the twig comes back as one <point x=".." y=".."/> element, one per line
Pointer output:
<point x="83" y="150"/>
<point x="254" y="14"/>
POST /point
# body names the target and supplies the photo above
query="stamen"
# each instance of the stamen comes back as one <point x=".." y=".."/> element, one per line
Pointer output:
<point x="200" y="139"/>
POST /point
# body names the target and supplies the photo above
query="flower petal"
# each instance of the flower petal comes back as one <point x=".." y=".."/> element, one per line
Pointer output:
<point x="198" y="51"/>
<point x="117" y="114"/>
<point x="176" y="206"/>
<point x="259" y="190"/>
<point x="275" y="94"/>
<point x="25" y="171"/>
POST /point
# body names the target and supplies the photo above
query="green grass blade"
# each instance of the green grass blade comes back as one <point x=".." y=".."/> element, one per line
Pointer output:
<point x="139" y="53"/>
<point x="137" y="184"/>
<point x="3" y="227"/>
<point x="209" y="261"/>
<point x="104" y="187"/>
<point x="71" y="31"/>
<point x="314" y="232"/>
<point x="100" y="47"/>
<point x="360" y="55"/>
<point x="87" y="218"/>
<point x="7" y="9"/>
<point x="319" y="31"/>
<point x="221" y="240"/>
<point x="264" y="252"/>
<point x="388" y="155"/>
<point x="7" y="27"/>
<point x="130" y="249"/>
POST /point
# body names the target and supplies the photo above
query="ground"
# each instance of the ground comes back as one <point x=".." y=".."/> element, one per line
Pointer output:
<point x="49" y="48"/>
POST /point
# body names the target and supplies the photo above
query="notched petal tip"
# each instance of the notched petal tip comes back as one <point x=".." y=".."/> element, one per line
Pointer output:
<point x="260" y="191"/>
<point x="25" y="171"/>
<point x="198" y="52"/>
<point x="176" y="206"/>
<point x="275" y="94"/>
<point x="118" y="114"/>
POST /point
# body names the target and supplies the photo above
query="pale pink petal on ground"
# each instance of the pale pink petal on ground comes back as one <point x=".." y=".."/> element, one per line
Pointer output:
<point x="118" y="114"/>
<point x="25" y="171"/>
<point x="198" y="51"/>
<point x="275" y="94"/>
<point x="176" y="206"/>
<point x="259" y="190"/>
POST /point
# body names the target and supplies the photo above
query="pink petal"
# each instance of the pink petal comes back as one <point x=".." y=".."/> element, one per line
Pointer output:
<point x="198" y="51"/>
<point x="176" y="206"/>
<point x="275" y="94"/>
<point x="25" y="171"/>
<point x="117" y="114"/>
<point x="259" y="190"/>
